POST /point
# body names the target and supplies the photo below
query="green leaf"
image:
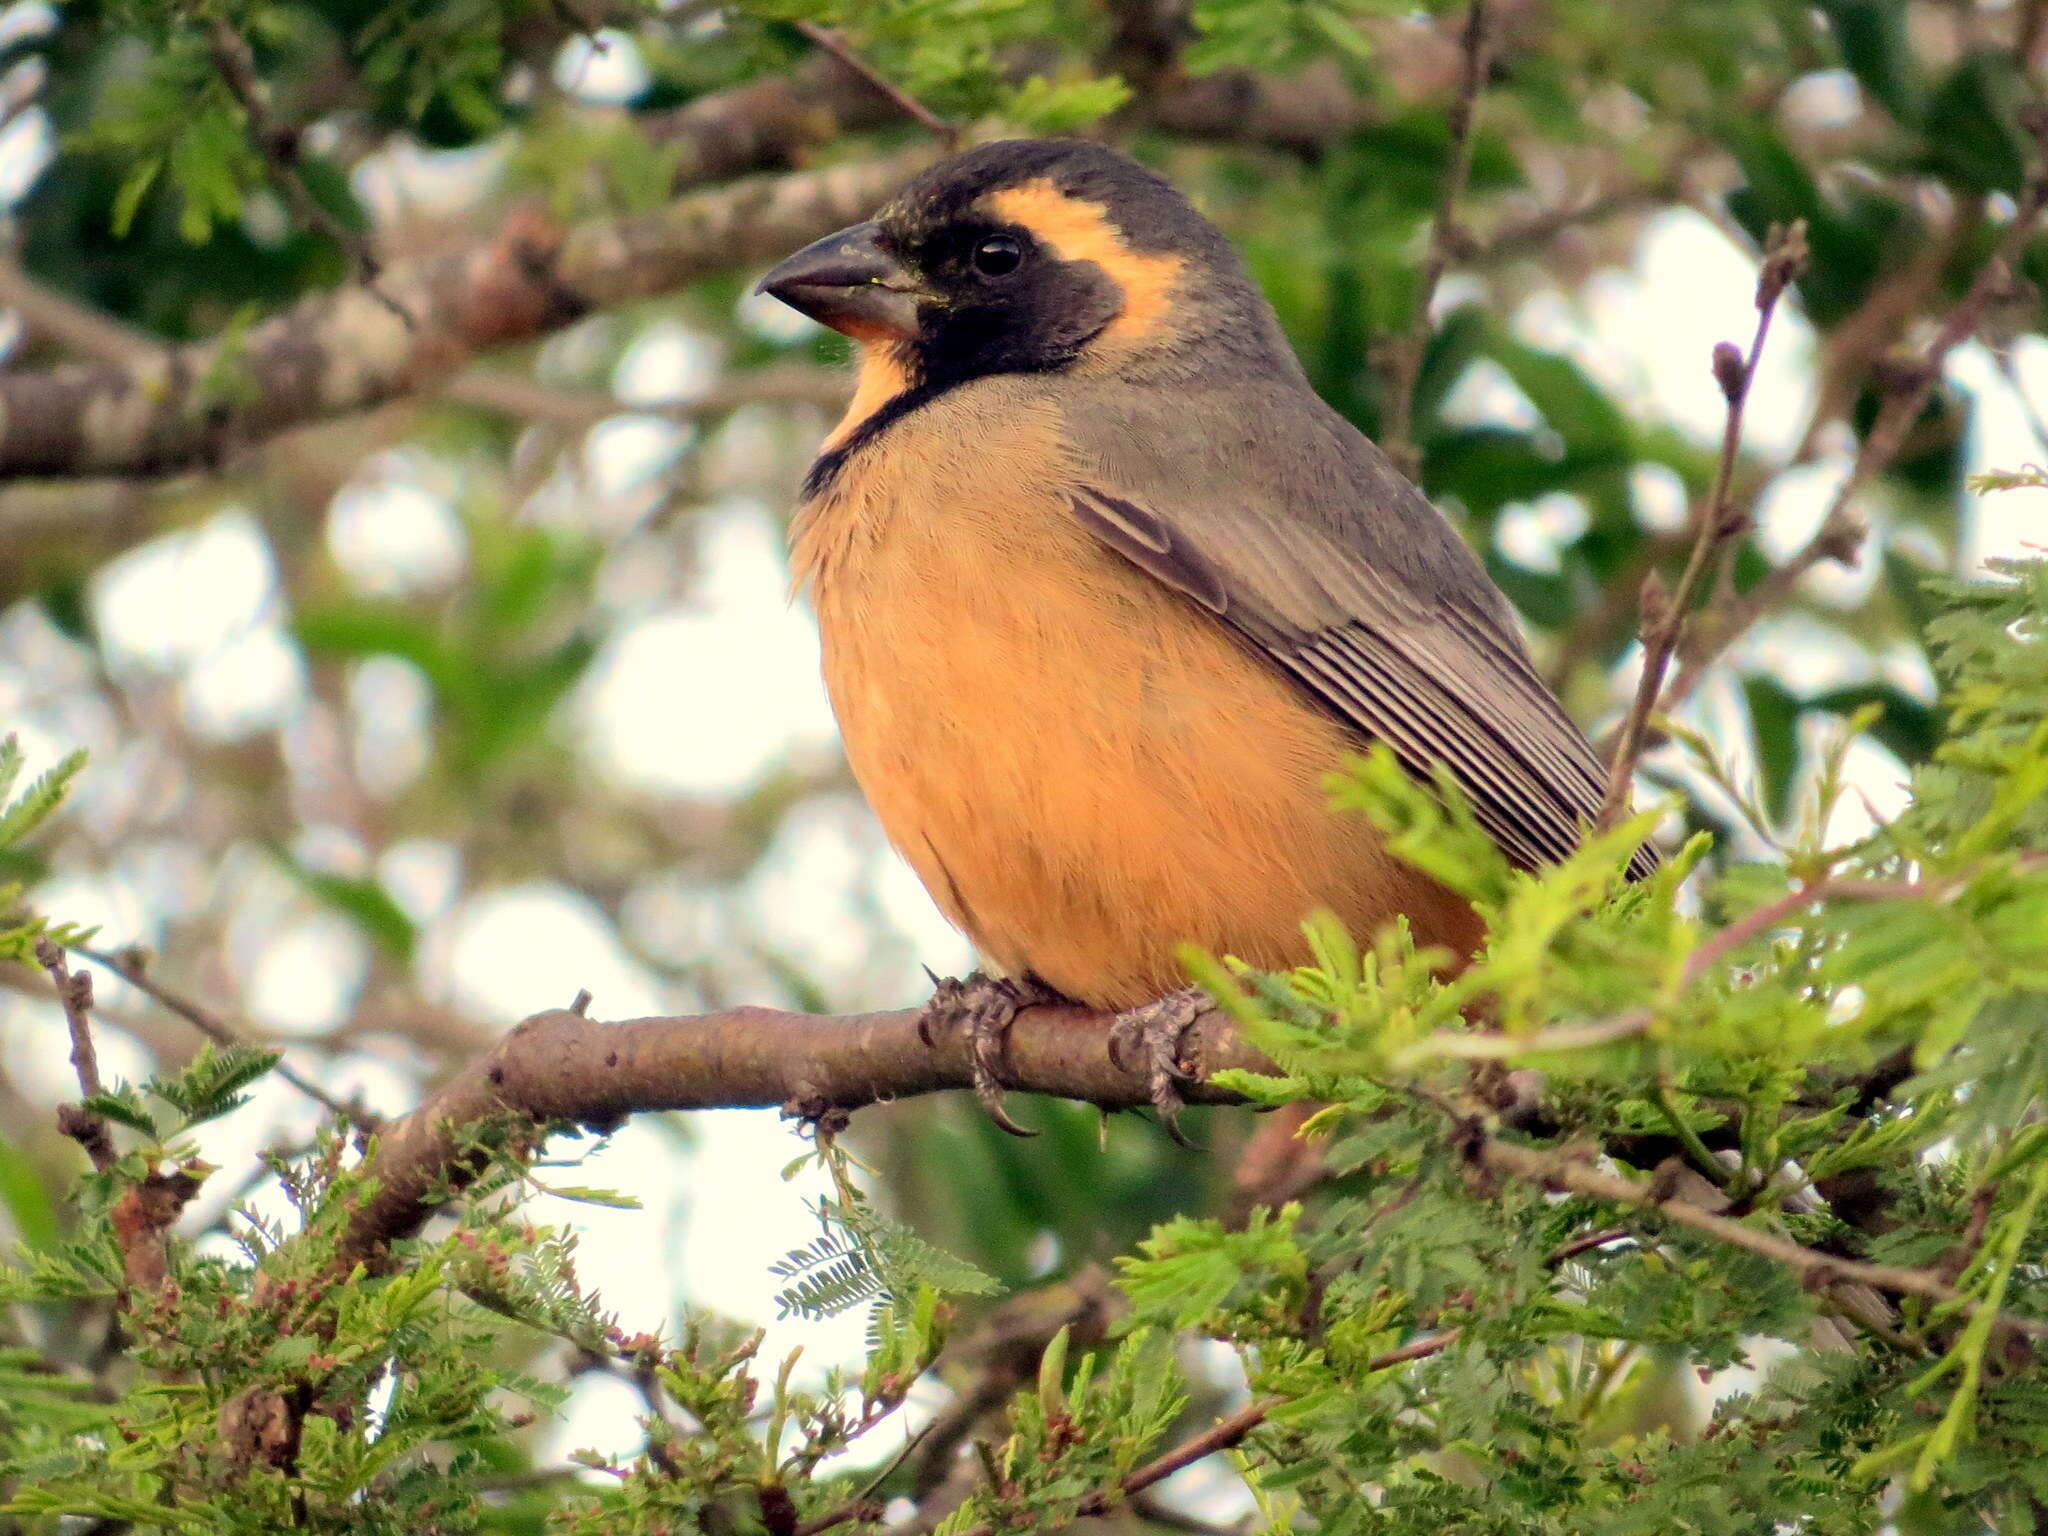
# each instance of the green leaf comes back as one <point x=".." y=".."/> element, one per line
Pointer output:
<point x="583" y="1194"/>
<point x="28" y="1202"/>
<point x="1774" y="723"/>
<point x="352" y="630"/>
<point x="1875" y="45"/>
<point x="40" y="799"/>
<point x="123" y="1105"/>
<point x="1909" y="729"/>
<point x="362" y="901"/>
<point x="1973" y="130"/>
<point x="1571" y="403"/>
<point x="134" y="187"/>
<point x="211" y="1084"/>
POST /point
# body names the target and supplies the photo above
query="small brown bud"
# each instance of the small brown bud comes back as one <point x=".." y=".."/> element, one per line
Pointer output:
<point x="1730" y="371"/>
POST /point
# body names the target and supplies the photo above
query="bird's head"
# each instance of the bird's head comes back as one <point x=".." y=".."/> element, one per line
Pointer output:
<point x="1029" y="255"/>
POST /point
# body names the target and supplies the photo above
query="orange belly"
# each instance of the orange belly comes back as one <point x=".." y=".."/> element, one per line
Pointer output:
<point x="1085" y="769"/>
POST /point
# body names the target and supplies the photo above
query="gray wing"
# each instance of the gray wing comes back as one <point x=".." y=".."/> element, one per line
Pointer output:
<point x="1333" y="565"/>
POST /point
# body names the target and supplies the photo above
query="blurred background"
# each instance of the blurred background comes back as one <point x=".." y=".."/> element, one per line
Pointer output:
<point x="410" y="722"/>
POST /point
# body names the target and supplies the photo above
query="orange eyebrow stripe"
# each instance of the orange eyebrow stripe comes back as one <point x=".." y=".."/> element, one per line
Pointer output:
<point x="1078" y="230"/>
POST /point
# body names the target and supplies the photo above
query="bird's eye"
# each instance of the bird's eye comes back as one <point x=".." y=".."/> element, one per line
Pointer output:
<point x="997" y="256"/>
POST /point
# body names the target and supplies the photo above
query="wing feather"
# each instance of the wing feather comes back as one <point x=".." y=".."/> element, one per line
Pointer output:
<point x="1439" y="675"/>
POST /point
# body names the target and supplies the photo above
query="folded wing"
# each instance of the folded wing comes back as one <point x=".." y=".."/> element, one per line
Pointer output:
<point x="1422" y="657"/>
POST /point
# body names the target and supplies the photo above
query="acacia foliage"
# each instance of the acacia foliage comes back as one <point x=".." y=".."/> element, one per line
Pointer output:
<point x="1837" y="1047"/>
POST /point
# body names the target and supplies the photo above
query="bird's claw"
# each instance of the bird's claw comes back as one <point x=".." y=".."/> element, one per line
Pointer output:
<point x="815" y="1114"/>
<point x="985" y="1007"/>
<point x="1160" y="1028"/>
<point x="948" y="1006"/>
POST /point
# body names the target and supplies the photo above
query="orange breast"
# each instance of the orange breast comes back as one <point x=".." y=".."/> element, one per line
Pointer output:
<point x="1085" y="769"/>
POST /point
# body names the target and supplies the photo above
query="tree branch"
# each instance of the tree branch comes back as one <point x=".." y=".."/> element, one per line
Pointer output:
<point x="146" y="1208"/>
<point x="1474" y="1045"/>
<point x="833" y="43"/>
<point x="131" y="966"/>
<point x="561" y="1066"/>
<point x="1840" y="534"/>
<point x="349" y="350"/>
<point x="1561" y="1170"/>
<point x="519" y="395"/>
<point x="279" y="145"/>
<point x="60" y="318"/>
<point x="1225" y="1433"/>
<point x="74" y="992"/>
<point x="1665" y="615"/>
<point x="1401" y="356"/>
<point x="767" y="124"/>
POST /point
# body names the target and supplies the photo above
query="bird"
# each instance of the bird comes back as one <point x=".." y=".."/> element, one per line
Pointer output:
<point x="1105" y="590"/>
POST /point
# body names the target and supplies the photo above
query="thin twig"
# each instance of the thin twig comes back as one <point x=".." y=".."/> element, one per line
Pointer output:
<point x="1700" y="1154"/>
<point x="859" y="1509"/>
<point x="1478" y="1046"/>
<point x="74" y="992"/>
<point x="1952" y="1265"/>
<point x="279" y="145"/>
<point x="1401" y="356"/>
<point x="342" y="350"/>
<point x="61" y="318"/>
<point x="1819" y="1271"/>
<point x="1530" y="235"/>
<point x="518" y="395"/>
<point x="1220" y="1436"/>
<point x="129" y="967"/>
<point x="832" y="42"/>
<point x="559" y="1066"/>
<point x="1225" y="1433"/>
<point x="1156" y="1511"/>
<point x="1585" y="1242"/>
<point x="1840" y="534"/>
<point x="1718" y="526"/>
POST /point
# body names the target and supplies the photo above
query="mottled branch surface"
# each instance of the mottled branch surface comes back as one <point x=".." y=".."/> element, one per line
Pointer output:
<point x="561" y="1066"/>
<point x="357" y="347"/>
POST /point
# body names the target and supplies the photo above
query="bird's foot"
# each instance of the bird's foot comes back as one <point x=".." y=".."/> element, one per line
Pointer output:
<point x="984" y="1007"/>
<point x="1160" y="1029"/>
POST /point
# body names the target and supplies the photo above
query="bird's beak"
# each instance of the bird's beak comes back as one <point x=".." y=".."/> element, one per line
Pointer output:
<point x="847" y="281"/>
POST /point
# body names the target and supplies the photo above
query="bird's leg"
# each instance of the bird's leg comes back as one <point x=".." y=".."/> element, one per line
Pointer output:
<point x="1161" y="1028"/>
<point x="985" y="1007"/>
